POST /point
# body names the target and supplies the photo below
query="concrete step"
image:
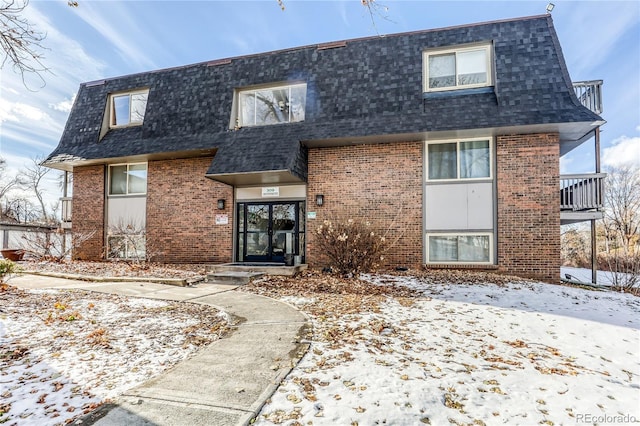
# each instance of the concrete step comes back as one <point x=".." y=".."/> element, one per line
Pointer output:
<point x="263" y="269"/>
<point x="232" y="277"/>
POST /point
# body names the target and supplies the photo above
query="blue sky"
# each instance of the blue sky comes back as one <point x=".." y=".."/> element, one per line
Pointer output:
<point x="98" y="39"/>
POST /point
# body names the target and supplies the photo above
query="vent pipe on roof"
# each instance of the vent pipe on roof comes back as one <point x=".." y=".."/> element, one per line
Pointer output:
<point x="218" y="62"/>
<point x="94" y="83"/>
<point x="332" y="45"/>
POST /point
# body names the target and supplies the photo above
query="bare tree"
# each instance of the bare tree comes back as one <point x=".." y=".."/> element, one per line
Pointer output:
<point x="19" y="210"/>
<point x="622" y="228"/>
<point x="575" y="246"/>
<point x="622" y="213"/>
<point x="20" y="41"/>
<point x="373" y="7"/>
<point x="32" y="179"/>
<point x="6" y="185"/>
<point x="65" y="181"/>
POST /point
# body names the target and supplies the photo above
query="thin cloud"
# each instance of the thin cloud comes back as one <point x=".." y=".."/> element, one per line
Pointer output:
<point x="27" y="141"/>
<point x="624" y="152"/>
<point x="126" y="36"/>
<point x="27" y="112"/>
<point x="343" y="13"/>
<point x="19" y="115"/>
<point x="68" y="62"/>
<point x="579" y="46"/>
<point x="565" y="164"/>
<point x="65" y="105"/>
<point x="6" y="113"/>
<point x="32" y="122"/>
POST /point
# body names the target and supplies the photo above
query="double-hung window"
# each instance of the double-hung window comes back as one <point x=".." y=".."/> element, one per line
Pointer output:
<point x="127" y="109"/>
<point x="461" y="68"/>
<point x="271" y="105"/>
<point x="128" y="179"/>
<point x="459" y="160"/>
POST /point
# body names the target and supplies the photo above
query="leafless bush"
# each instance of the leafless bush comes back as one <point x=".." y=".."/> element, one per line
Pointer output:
<point x="127" y="242"/>
<point x="51" y="244"/>
<point x="623" y="270"/>
<point x="352" y="246"/>
<point x="575" y="249"/>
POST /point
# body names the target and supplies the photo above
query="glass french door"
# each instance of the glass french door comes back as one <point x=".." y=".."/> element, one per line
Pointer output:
<point x="267" y="232"/>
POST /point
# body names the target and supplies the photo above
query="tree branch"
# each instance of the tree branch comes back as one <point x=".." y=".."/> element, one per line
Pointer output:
<point x="20" y="41"/>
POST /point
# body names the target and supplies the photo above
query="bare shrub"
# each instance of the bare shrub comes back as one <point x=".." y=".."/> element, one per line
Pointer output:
<point x="575" y="249"/>
<point x="127" y="242"/>
<point x="352" y="246"/>
<point x="623" y="270"/>
<point x="51" y="245"/>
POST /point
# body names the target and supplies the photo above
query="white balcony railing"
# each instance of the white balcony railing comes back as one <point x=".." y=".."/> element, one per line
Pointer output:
<point x="66" y="208"/>
<point x="589" y="94"/>
<point x="582" y="192"/>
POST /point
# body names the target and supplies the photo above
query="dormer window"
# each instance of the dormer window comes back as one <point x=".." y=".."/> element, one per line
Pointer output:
<point x="461" y="68"/>
<point x="127" y="109"/>
<point x="270" y="105"/>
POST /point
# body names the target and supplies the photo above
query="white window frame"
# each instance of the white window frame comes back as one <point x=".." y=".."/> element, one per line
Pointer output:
<point x="460" y="234"/>
<point x="487" y="48"/>
<point x="127" y="194"/>
<point x="112" y="114"/>
<point x="458" y="142"/>
<point x="129" y="251"/>
<point x="238" y="104"/>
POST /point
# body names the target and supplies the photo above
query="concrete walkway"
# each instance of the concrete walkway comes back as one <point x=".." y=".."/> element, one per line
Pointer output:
<point x="225" y="383"/>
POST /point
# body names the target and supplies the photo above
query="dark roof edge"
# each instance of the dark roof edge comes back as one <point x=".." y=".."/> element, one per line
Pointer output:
<point x="227" y="60"/>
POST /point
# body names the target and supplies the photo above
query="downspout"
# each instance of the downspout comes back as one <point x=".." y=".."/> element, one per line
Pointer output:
<point x="594" y="250"/>
<point x="64" y="195"/>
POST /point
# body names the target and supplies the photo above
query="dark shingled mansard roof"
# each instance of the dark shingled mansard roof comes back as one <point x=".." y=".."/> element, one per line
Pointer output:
<point x="368" y="90"/>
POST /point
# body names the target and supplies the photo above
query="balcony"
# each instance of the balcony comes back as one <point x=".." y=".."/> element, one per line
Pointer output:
<point x="581" y="197"/>
<point x="589" y="94"/>
<point x="66" y="211"/>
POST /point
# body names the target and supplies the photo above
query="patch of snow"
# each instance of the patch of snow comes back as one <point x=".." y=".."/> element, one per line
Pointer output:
<point x="584" y="275"/>
<point x="593" y="305"/>
<point x="522" y="353"/>
<point x="64" y="353"/>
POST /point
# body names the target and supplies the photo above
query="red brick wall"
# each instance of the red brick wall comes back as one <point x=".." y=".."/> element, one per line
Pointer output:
<point x="181" y="210"/>
<point x="529" y="205"/>
<point x="88" y="211"/>
<point x="381" y="183"/>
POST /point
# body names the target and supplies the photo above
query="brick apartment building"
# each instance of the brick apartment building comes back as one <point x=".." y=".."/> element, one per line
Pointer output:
<point x="448" y="139"/>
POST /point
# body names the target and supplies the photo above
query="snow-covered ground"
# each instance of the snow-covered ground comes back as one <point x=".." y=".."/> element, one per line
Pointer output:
<point x="519" y="353"/>
<point x="396" y="350"/>
<point x="584" y="275"/>
<point x="64" y="353"/>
